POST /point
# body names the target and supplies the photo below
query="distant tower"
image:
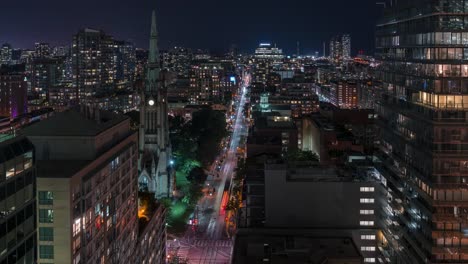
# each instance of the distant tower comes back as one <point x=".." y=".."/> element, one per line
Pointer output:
<point x="324" y="50"/>
<point x="156" y="175"/>
<point x="298" y="51"/>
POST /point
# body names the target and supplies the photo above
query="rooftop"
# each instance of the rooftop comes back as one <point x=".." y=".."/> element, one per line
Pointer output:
<point x="75" y="123"/>
<point x="301" y="171"/>
<point x="147" y="210"/>
<point x="59" y="169"/>
<point x="12" y="145"/>
<point x="292" y="246"/>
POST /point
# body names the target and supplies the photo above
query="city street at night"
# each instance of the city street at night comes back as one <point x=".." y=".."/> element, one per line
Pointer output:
<point x="208" y="241"/>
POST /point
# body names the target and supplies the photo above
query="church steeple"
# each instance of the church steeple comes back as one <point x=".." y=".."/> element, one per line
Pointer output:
<point x="153" y="58"/>
<point x="155" y="147"/>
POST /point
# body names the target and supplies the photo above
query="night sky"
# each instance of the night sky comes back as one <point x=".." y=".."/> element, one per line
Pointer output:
<point x="207" y="24"/>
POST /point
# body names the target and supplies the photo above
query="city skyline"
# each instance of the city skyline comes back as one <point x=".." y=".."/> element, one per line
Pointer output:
<point x="333" y="132"/>
<point x="212" y="26"/>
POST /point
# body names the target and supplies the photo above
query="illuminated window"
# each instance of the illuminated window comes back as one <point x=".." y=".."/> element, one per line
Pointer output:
<point x="369" y="260"/>
<point x="367" y="248"/>
<point x="367" y="200"/>
<point x="366" y="223"/>
<point x="76" y="227"/>
<point x="366" y="212"/>
<point x="367" y="237"/>
<point x="367" y="189"/>
<point x="46" y="216"/>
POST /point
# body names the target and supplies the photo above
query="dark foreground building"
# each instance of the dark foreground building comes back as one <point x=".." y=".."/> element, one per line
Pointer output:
<point x="17" y="200"/>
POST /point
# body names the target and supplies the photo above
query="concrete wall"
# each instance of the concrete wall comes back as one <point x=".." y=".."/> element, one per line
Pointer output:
<point x="313" y="204"/>
<point x="60" y="187"/>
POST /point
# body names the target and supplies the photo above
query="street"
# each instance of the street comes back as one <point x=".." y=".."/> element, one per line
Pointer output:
<point x="208" y="241"/>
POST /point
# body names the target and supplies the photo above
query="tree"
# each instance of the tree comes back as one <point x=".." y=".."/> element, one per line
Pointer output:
<point x="177" y="260"/>
<point x="232" y="205"/>
<point x="241" y="171"/>
<point x="197" y="176"/>
<point x="299" y="155"/>
<point x="209" y="128"/>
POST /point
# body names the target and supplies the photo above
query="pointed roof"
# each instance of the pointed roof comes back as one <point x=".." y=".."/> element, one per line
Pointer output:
<point x="154" y="29"/>
<point x="153" y="59"/>
<point x="154" y="51"/>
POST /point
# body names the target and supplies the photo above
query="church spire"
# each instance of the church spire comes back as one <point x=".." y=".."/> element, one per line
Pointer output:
<point x="153" y="59"/>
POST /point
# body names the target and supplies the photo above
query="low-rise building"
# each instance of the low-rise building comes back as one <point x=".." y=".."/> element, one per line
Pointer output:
<point x="327" y="201"/>
<point x="292" y="247"/>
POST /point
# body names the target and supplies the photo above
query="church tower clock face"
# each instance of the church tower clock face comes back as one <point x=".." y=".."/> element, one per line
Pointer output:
<point x="151" y="102"/>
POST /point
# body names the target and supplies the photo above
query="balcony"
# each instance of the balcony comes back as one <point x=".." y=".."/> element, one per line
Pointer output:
<point x="438" y="217"/>
<point x="450" y="203"/>
<point x="450" y="250"/>
<point x="447" y="233"/>
<point x="421" y="111"/>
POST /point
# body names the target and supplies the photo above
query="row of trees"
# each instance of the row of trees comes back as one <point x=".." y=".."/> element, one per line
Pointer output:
<point x="200" y="138"/>
<point x="195" y="145"/>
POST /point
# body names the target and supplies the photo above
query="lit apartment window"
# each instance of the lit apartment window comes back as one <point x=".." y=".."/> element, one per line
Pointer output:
<point x="367" y="189"/>
<point x="366" y="223"/>
<point x="367" y="237"/>
<point x="366" y="212"/>
<point x="369" y="260"/>
<point x="46" y="216"/>
<point x="367" y="200"/>
<point x="46" y="198"/>
<point x="367" y="248"/>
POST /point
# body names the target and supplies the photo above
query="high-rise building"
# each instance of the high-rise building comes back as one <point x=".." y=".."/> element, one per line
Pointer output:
<point x="125" y="62"/>
<point x="16" y="56"/>
<point x="267" y="51"/>
<point x="93" y="63"/>
<point x="264" y="59"/>
<point x="13" y="91"/>
<point x="178" y="60"/>
<point x="61" y="51"/>
<point x="210" y="82"/>
<point x="42" y="50"/>
<point x="87" y="187"/>
<point x="340" y="48"/>
<point x="156" y="175"/>
<point x="141" y="57"/>
<point x="424" y="130"/>
<point x="46" y="73"/>
<point x="17" y="200"/>
<point x="6" y="54"/>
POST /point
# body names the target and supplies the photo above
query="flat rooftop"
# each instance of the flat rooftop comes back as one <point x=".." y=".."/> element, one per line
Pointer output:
<point x="59" y="168"/>
<point x="74" y="123"/>
<point x="292" y="246"/>
<point x="301" y="171"/>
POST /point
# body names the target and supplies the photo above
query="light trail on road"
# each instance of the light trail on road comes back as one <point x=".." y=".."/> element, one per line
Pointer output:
<point x="211" y="226"/>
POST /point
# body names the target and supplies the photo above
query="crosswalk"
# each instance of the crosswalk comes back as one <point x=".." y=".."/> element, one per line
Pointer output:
<point x="183" y="252"/>
<point x="212" y="243"/>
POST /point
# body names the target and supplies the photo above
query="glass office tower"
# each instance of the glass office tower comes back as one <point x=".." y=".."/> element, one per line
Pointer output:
<point x="17" y="200"/>
<point x="423" y="121"/>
